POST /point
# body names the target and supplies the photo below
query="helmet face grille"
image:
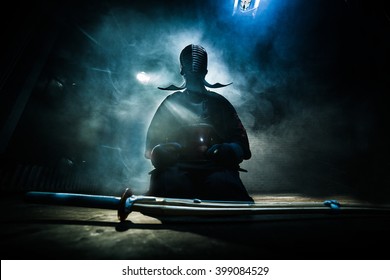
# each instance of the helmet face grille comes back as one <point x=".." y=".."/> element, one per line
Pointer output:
<point x="193" y="62"/>
<point x="194" y="58"/>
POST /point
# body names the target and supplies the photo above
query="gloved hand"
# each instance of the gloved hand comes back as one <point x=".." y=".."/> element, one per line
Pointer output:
<point x="164" y="155"/>
<point x="226" y="153"/>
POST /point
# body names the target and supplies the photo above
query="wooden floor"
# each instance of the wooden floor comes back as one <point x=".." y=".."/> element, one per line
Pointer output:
<point x="33" y="231"/>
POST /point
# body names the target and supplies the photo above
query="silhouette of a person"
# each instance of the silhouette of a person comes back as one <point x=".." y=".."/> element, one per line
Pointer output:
<point x="196" y="140"/>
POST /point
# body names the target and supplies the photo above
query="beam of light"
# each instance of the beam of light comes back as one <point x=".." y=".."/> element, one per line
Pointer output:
<point x="100" y="70"/>
<point x="257" y="3"/>
<point x="235" y="6"/>
<point x="116" y="92"/>
<point x="182" y="113"/>
<point x="89" y="36"/>
<point x="143" y="78"/>
<point x="121" y="157"/>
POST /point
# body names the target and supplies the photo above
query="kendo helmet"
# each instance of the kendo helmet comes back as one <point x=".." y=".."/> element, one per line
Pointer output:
<point x="193" y="59"/>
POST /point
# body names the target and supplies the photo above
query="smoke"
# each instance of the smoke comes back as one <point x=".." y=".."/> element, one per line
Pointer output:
<point x="303" y="128"/>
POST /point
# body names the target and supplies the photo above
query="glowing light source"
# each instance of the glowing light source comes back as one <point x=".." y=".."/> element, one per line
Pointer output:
<point x="143" y="78"/>
<point x="246" y="7"/>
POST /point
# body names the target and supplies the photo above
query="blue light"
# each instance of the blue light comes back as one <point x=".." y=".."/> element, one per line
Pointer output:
<point x="245" y="7"/>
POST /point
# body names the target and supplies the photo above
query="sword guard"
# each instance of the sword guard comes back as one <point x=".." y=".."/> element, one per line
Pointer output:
<point x="122" y="213"/>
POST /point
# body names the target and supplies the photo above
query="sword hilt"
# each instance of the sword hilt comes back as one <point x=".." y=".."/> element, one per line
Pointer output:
<point x="123" y="209"/>
<point x="127" y="201"/>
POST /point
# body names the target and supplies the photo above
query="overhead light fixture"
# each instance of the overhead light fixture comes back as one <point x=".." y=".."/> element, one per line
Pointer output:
<point x="245" y="7"/>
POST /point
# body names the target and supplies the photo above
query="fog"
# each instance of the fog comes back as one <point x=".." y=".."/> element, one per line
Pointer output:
<point x="311" y="122"/>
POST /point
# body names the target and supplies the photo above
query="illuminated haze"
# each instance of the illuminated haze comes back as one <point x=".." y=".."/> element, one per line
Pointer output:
<point x="306" y="128"/>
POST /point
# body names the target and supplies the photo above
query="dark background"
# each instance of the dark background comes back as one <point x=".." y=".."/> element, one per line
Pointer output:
<point x="310" y="83"/>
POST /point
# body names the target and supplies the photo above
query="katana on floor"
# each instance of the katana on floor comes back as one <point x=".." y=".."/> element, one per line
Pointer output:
<point x="160" y="206"/>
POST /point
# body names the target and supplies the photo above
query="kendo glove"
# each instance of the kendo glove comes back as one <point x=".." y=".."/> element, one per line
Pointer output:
<point x="165" y="155"/>
<point x="226" y="154"/>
